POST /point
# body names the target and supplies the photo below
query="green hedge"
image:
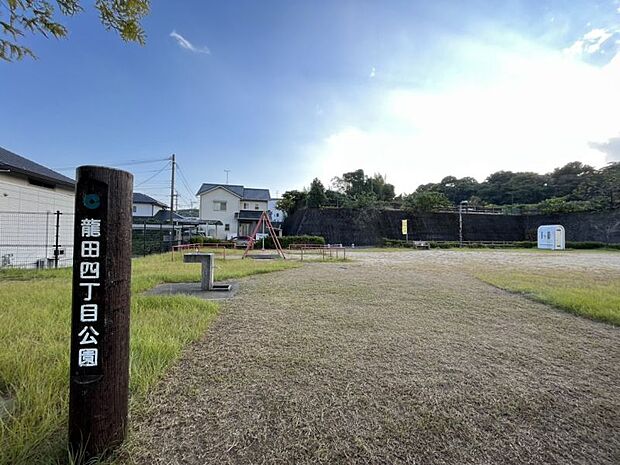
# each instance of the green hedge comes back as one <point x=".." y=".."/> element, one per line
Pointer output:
<point x="397" y="243"/>
<point x="204" y="240"/>
<point x="519" y="244"/>
<point x="285" y="241"/>
<point x="591" y="245"/>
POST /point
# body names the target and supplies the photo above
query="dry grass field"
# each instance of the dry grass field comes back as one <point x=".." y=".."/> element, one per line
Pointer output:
<point x="396" y="358"/>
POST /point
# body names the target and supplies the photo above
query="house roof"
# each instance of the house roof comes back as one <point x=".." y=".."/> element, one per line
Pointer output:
<point x="18" y="164"/>
<point x="143" y="198"/>
<point x="249" y="215"/>
<point x="244" y="193"/>
<point x="164" y="216"/>
<point x="256" y="194"/>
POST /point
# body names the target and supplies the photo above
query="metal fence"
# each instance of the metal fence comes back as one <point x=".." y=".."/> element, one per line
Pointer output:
<point x="150" y="237"/>
<point x="45" y="239"/>
<point x="36" y="239"/>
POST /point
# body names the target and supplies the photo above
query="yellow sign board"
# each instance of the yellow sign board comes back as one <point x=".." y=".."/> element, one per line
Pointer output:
<point x="404" y="226"/>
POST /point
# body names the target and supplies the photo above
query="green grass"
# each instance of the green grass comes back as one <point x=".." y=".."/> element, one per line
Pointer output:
<point x="596" y="297"/>
<point x="34" y="344"/>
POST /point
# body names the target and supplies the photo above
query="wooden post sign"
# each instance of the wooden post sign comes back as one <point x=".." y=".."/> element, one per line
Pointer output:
<point x="99" y="378"/>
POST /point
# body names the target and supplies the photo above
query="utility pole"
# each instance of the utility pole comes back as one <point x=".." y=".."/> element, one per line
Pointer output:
<point x="463" y="202"/>
<point x="172" y="200"/>
<point x="227" y="171"/>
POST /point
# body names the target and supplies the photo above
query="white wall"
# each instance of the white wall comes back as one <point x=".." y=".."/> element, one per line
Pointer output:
<point x="145" y="209"/>
<point x="207" y="211"/>
<point x="27" y="230"/>
<point x="17" y="194"/>
<point x="253" y="204"/>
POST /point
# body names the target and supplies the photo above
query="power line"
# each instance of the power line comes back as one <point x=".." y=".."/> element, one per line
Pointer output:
<point x="127" y="163"/>
<point x="158" y="172"/>
<point x="185" y="181"/>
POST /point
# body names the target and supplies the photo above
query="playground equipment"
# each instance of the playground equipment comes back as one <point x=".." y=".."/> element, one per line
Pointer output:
<point x="264" y="221"/>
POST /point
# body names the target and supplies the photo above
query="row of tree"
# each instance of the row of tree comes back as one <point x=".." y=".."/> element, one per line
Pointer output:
<point x="573" y="187"/>
<point x="352" y="190"/>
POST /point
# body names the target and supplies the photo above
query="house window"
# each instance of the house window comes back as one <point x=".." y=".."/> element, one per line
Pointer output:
<point x="219" y="206"/>
<point x="255" y="206"/>
<point x="245" y="205"/>
<point x="226" y="227"/>
<point x="135" y="209"/>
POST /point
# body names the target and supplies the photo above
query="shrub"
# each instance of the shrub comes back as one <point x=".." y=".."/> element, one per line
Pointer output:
<point x="285" y="241"/>
<point x="525" y="244"/>
<point x="585" y="245"/>
<point x="204" y="240"/>
<point x="395" y="243"/>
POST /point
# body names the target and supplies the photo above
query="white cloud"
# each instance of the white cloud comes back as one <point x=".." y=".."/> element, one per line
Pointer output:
<point x="611" y="148"/>
<point x="186" y="44"/>
<point x="373" y="73"/>
<point x="591" y="42"/>
<point x="539" y="110"/>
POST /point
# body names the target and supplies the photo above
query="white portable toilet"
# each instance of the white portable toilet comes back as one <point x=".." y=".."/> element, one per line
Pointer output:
<point x="551" y="237"/>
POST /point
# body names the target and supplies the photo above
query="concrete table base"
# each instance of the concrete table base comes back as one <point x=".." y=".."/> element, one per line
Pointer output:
<point x="194" y="290"/>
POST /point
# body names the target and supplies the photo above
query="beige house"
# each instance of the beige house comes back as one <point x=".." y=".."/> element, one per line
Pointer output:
<point x="30" y="196"/>
<point x="231" y="210"/>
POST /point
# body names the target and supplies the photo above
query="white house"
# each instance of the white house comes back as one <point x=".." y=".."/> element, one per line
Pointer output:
<point x="231" y="210"/>
<point x="146" y="206"/>
<point x="30" y="196"/>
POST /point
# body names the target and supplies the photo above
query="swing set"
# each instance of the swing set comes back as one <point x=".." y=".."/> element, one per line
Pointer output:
<point x="264" y="221"/>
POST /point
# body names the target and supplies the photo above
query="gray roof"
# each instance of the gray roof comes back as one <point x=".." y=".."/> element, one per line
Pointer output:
<point x="245" y="193"/>
<point x="18" y="164"/>
<point x="249" y="215"/>
<point x="143" y="198"/>
<point x="164" y="215"/>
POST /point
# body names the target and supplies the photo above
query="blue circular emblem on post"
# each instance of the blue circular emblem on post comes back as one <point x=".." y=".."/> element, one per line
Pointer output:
<point x="91" y="201"/>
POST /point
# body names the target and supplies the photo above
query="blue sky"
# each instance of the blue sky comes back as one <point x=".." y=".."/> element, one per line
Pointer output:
<point x="279" y="92"/>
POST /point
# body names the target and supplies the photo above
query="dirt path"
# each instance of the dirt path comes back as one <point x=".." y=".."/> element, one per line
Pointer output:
<point x="387" y="361"/>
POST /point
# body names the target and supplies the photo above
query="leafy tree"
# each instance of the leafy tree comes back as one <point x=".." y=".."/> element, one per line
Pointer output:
<point x="40" y="17"/>
<point x="381" y="189"/>
<point x="316" y="195"/>
<point x="355" y="185"/>
<point x="351" y="183"/>
<point x="335" y="198"/>
<point x="565" y="180"/>
<point x="291" y="201"/>
<point x="506" y="187"/>
<point x="610" y="183"/>
<point x="458" y="190"/>
<point x="426" y="201"/>
<point x="603" y="186"/>
<point x="363" y="200"/>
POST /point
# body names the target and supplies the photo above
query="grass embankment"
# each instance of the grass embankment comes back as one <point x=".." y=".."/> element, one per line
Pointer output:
<point x="34" y="345"/>
<point x="593" y="296"/>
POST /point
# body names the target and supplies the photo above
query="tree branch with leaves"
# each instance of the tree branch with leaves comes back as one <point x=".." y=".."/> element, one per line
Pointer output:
<point x="21" y="17"/>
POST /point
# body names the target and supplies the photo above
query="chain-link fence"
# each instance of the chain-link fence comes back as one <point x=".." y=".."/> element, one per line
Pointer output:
<point x="36" y="239"/>
<point x="45" y="239"/>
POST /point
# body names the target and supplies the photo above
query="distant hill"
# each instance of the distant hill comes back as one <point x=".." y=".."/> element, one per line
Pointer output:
<point x="189" y="212"/>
